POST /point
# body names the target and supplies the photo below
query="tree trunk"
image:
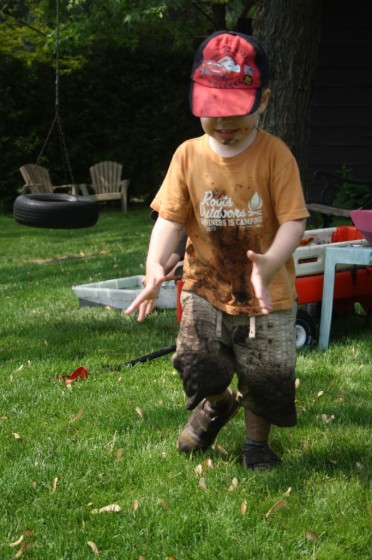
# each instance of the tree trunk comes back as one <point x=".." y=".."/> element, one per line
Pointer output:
<point x="289" y="30"/>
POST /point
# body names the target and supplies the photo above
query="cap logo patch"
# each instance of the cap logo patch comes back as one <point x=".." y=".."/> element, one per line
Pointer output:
<point x="219" y="68"/>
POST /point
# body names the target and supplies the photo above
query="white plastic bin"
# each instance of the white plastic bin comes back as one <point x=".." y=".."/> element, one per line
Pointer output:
<point x="120" y="292"/>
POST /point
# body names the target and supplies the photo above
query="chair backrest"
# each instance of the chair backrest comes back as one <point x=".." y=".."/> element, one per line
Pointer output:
<point x="36" y="178"/>
<point x="106" y="176"/>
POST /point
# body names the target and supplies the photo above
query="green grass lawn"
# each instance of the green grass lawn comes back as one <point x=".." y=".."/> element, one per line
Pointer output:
<point x="69" y="450"/>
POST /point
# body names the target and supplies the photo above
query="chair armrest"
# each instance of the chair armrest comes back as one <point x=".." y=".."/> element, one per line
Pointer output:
<point x="83" y="189"/>
<point x="123" y="184"/>
<point x="64" y="188"/>
<point x="33" y="188"/>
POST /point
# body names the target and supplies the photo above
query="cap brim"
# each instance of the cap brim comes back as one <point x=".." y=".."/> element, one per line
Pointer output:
<point x="217" y="102"/>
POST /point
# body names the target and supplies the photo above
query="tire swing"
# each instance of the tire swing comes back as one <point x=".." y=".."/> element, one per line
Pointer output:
<point x="56" y="210"/>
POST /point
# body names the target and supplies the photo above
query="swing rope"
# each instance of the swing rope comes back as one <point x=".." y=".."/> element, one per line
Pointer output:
<point x="57" y="119"/>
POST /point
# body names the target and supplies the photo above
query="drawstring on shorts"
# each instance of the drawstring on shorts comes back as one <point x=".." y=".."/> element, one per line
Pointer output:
<point x="252" y="327"/>
<point x="219" y="324"/>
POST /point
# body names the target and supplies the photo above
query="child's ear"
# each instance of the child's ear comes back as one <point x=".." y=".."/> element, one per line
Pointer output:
<point x="265" y="96"/>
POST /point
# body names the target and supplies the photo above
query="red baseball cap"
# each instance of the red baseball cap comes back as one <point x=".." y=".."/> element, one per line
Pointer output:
<point x="228" y="74"/>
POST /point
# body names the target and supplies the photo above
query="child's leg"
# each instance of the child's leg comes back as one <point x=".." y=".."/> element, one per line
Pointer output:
<point x="206" y="365"/>
<point x="206" y="420"/>
<point x="257" y="429"/>
<point x="266" y="372"/>
<point x="257" y="454"/>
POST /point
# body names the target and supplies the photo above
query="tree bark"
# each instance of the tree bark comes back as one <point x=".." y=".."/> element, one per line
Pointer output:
<point x="289" y="31"/>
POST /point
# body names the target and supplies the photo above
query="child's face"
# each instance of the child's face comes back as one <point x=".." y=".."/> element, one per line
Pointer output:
<point x="229" y="130"/>
<point x="233" y="130"/>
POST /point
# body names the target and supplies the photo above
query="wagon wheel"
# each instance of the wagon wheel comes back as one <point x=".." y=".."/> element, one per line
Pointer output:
<point x="57" y="211"/>
<point x="305" y="329"/>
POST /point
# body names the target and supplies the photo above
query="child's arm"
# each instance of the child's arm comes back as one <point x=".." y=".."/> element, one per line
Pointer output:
<point x="164" y="238"/>
<point x="285" y="242"/>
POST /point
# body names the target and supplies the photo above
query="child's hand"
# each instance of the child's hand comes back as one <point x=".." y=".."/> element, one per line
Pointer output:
<point x="145" y="301"/>
<point x="260" y="278"/>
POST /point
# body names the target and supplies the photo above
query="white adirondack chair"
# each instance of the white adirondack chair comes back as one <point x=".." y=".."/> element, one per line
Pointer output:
<point x="107" y="183"/>
<point x="37" y="180"/>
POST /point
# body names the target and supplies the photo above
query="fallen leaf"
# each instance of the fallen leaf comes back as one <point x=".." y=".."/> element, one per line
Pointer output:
<point x="79" y="373"/>
<point x="20" y="368"/>
<point x="135" y="505"/>
<point x="359" y="466"/>
<point x="289" y="491"/>
<point x="5" y="418"/>
<point x="320" y="393"/>
<point x="198" y="470"/>
<point x="55" y="480"/>
<point x="327" y="419"/>
<point x="297" y="383"/>
<point x="234" y="484"/>
<point x="28" y="532"/>
<point x="119" y="453"/>
<point x="278" y="505"/>
<point x="26" y="546"/>
<point x="219" y="448"/>
<point x="16" y="436"/>
<point x="77" y="415"/>
<point x="139" y="411"/>
<point x="93" y="546"/>
<point x="165" y="504"/>
<point x="312" y="536"/>
<point x="46" y="342"/>
<point x="112" y="507"/>
<point x="202" y="484"/>
<point x="243" y="508"/>
<point x="18" y="541"/>
<point x="208" y="464"/>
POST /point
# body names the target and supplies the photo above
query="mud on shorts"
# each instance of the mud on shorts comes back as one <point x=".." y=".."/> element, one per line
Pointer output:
<point x="212" y="346"/>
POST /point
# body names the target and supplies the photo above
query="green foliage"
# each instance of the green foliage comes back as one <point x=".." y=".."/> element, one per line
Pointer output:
<point x="351" y="195"/>
<point x="111" y="438"/>
<point x="123" y="87"/>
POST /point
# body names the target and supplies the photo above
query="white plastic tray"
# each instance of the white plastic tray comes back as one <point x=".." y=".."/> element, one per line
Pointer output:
<point x="120" y="292"/>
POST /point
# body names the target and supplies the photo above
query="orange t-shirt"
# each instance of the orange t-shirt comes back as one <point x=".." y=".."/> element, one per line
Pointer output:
<point x="230" y="205"/>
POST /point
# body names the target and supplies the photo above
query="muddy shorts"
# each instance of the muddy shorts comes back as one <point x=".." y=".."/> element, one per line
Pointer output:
<point x="212" y="346"/>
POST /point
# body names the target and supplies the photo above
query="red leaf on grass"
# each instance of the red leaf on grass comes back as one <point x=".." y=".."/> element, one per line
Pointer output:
<point x="79" y="373"/>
